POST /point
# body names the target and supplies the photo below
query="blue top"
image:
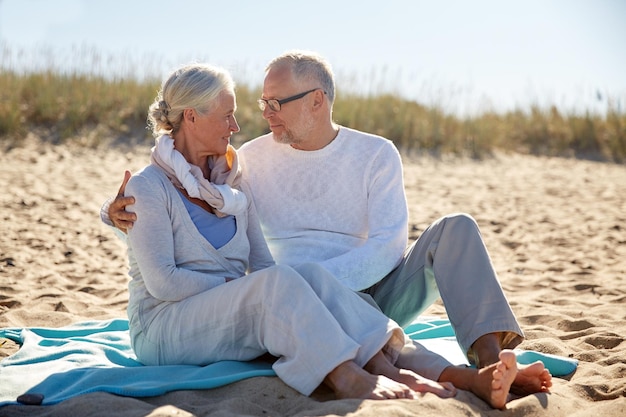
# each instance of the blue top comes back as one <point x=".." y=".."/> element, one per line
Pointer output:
<point x="218" y="231"/>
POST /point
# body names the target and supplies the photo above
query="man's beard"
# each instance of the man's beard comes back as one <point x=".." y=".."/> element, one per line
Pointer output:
<point x="285" y="138"/>
<point x="289" y="137"/>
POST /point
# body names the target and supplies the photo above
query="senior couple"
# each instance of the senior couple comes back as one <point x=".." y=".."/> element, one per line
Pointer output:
<point x="295" y="245"/>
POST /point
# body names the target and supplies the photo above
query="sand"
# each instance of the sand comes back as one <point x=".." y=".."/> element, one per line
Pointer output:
<point x="556" y="230"/>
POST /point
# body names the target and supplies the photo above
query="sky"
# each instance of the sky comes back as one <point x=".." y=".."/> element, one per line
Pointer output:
<point x="463" y="56"/>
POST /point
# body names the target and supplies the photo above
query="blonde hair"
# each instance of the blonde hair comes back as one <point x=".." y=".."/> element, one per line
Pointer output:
<point x="193" y="86"/>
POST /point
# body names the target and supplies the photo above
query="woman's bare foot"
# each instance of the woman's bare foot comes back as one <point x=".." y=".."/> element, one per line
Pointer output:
<point x="349" y="380"/>
<point x="423" y="385"/>
<point x="380" y="365"/>
<point x="531" y="379"/>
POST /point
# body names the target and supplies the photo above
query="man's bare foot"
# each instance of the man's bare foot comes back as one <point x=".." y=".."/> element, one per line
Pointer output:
<point x="531" y="379"/>
<point x="486" y="349"/>
<point x="502" y="377"/>
<point x="380" y="365"/>
<point x="491" y="383"/>
<point x="349" y="380"/>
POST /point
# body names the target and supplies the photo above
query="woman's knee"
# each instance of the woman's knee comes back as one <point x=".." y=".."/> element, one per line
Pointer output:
<point x="317" y="276"/>
<point x="284" y="276"/>
<point x="310" y="275"/>
<point x="311" y="270"/>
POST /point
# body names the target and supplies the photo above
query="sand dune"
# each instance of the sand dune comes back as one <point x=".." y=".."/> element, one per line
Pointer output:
<point x="556" y="230"/>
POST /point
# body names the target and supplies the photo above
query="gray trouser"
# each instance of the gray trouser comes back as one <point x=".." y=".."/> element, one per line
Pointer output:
<point x="449" y="260"/>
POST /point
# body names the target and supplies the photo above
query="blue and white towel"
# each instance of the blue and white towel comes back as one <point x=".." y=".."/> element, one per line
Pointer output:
<point x="56" y="364"/>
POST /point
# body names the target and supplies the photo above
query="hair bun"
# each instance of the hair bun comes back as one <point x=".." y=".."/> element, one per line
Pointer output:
<point x="164" y="108"/>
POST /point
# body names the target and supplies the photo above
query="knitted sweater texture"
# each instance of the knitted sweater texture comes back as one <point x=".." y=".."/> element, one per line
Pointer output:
<point x="342" y="206"/>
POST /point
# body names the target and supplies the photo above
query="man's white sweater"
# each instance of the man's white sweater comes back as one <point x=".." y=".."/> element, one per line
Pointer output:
<point x="343" y="206"/>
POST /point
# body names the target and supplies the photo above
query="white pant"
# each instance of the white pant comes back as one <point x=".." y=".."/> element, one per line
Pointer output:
<point x="306" y="318"/>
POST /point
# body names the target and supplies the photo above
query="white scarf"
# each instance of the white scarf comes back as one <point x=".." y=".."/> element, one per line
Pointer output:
<point x="218" y="191"/>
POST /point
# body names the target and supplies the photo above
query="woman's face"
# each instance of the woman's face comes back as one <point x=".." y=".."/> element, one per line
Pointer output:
<point x="214" y="129"/>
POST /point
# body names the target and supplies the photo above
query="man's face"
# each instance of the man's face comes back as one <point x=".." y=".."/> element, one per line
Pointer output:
<point x="291" y="124"/>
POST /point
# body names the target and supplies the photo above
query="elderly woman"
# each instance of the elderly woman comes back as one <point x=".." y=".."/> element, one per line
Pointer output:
<point x="204" y="286"/>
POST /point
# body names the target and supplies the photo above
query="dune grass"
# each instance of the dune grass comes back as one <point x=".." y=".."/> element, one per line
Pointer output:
<point x="91" y="107"/>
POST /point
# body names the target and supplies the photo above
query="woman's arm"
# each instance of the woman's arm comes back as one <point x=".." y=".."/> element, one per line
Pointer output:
<point x="151" y="242"/>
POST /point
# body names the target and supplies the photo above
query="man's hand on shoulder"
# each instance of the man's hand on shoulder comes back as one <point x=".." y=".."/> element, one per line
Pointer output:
<point x="121" y="218"/>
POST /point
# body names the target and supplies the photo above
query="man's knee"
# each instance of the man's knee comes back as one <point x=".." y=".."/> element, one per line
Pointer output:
<point x="461" y="218"/>
<point x="462" y="222"/>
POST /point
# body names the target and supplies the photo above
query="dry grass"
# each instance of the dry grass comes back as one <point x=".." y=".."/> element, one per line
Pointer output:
<point x="101" y="105"/>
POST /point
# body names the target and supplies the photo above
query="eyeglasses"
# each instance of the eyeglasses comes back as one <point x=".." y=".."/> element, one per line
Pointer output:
<point x="275" y="105"/>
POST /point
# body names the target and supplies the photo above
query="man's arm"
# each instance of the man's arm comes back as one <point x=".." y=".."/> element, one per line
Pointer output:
<point x="387" y="238"/>
<point x="113" y="212"/>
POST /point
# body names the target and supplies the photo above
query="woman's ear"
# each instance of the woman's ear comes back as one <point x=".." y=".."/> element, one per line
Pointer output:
<point x="189" y="115"/>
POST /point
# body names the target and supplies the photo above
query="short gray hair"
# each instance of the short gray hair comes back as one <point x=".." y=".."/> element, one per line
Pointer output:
<point x="306" y="65"/>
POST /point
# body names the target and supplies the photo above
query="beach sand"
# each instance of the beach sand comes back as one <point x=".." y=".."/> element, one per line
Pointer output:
<point x="555" y="228"/>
